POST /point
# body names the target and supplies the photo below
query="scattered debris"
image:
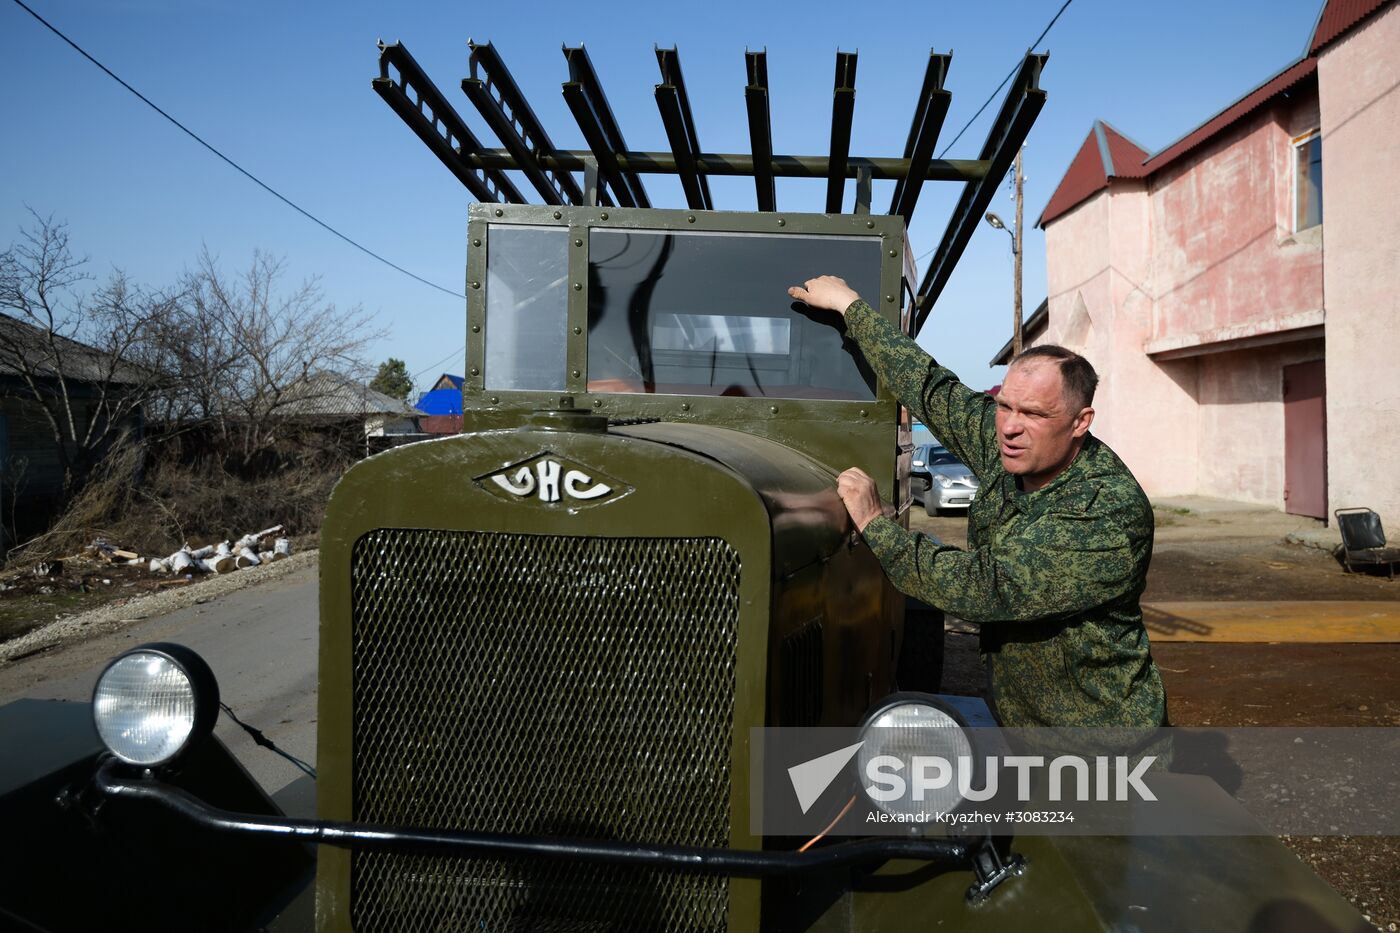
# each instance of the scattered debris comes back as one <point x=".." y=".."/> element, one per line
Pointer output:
<point x="223" y="557"/>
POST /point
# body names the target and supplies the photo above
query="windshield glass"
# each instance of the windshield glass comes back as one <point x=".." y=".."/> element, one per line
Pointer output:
<point x="708" y="314"/>
<point x="527" y="307"/>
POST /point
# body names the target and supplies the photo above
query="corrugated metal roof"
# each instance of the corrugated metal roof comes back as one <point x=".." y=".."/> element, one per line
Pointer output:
<point x="1107" y="153"/>
<point x="331" y="393"/>
<point x="1337" y="18"/>
<point x="1246" y="105"/>
<point x="25" y="348"/>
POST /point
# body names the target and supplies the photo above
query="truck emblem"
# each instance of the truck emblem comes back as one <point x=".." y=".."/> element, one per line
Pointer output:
<point x="548" y="478"/>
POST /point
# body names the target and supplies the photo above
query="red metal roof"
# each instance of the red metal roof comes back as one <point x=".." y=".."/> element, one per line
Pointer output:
<point x="1126" y="156"/>
<point x="1109" y="154"/>
<point x="1239" y="109"/>
<point x="1338" y="16"/>
<point x="1106" y="154"/>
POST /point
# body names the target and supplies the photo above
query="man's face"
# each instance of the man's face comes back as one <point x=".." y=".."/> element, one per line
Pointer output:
<point x="1038" y="432"/>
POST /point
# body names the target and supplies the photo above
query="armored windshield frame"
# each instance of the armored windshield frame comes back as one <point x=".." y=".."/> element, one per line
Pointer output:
<point x="479" y="399"/>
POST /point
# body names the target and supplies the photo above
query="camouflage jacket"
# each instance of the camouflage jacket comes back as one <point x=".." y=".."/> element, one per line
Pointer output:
<point x="1052" y="576"/>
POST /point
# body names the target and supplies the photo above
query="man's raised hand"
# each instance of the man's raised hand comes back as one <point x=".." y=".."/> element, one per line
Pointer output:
<point x="825" y="291"/>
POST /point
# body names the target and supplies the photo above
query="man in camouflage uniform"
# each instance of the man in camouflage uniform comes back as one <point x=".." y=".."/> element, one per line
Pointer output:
<point x="1059" y="536"/>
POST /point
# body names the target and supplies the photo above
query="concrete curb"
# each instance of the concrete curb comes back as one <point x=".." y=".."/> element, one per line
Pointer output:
<point x="1324" y="539"/>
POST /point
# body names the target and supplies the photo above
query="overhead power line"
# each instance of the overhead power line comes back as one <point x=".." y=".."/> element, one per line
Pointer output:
<point x="240" y="169"/>
<point x="432" y="366"/>
<point x="991" y="97"/>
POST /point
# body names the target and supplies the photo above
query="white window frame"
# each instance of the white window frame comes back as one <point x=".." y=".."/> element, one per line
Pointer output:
<point x="1298" y="142"/>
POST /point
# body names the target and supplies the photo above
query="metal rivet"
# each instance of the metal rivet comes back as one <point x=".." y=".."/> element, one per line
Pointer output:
<point x="773" y="409"/>
<point x="578" y="242"/>
<point x="557" y="215"/>
<point x="475" y="371"/>
<point x="500" y="213"/>
<point x="603" y="216"/>
<point x="476" y="242"/>
<point x="893" y="253"/>
<point x="476" y="285"/>
<point x="890" y="299"/>
<point x="577" y="374"/>
<point x="870" y="224"/>
<point x="494" y="400"/>
<point x="597" y="403"/>
<point x="685" y="406"/>
<point x="578" y="287"/>
<point x="577" y="331"/>
<point x="476" y="328"/>
<point x="781" y="222"/>
<point x="690" y="219"/>
<point x="864" y="413"/>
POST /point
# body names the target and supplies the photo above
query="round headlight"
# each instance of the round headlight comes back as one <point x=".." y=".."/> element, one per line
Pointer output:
<point x="916" y="745"/>
<point x="153" y="702"/>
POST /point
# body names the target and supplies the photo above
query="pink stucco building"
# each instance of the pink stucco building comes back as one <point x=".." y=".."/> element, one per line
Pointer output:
<point x="1248" y="348"/>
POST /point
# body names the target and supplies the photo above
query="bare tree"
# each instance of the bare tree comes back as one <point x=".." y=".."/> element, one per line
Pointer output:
<point x="80" y="353"/>
<point x="234" y="356"/>
<point x="249" y="353"/>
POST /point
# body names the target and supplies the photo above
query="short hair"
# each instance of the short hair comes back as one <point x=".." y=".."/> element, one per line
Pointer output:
<point x="1078" y="375"/>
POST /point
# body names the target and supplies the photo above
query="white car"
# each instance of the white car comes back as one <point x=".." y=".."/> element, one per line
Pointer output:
<point x="940" y="480"/>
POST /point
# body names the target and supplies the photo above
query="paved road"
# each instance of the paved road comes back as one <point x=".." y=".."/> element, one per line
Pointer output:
<point x="260" y="641"/>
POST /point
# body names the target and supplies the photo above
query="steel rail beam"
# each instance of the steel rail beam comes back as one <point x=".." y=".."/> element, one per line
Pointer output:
<point x="760" y="129"/>
<point x="1022" y="105"/>
<point x="589" y="105"/>
<point x="741" y="163"/>
<point x="608" y="169"/>
<point x="514" y="122"/>
<point x="843" y="108"/>
<point x="674" y="104"/>
<point x="440" y="128"/>
<point x="929" y="114"/>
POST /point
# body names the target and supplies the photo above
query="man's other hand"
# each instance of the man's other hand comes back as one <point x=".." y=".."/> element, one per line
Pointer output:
<point x="825" y="291"/>
<point x="860" y="495"/>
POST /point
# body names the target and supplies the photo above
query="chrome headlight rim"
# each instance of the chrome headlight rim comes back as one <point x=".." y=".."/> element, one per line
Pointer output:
<point x="203" y="689"/>
<point x="916" y="698"/>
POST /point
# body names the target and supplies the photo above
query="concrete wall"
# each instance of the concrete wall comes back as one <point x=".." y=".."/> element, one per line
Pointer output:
<point x="1241" y="421"/>
<point x="1099" y="259"/>
<point x="1361" y="215"/>
<point x="1158" y="282"/>
<point x="1226" y="261"/>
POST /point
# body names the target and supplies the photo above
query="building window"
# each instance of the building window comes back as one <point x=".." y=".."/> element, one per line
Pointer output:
<point x="1307" y="181"/>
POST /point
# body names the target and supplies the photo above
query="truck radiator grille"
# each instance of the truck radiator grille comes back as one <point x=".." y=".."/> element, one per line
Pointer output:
<point x="552" y="685"/>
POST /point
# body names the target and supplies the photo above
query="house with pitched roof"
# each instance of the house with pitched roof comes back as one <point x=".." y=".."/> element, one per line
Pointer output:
<point x="1247" y="339"/>
<point x="63" y="404"/>
<point x="440" y="407"/>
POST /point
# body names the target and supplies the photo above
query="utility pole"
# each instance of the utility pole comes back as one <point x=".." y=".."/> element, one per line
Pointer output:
<point x="1018" y="180"/>
<point x="1016" y="250"/>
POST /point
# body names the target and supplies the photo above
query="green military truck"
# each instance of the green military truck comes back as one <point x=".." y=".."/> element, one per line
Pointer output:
<point x="547" y="642"/>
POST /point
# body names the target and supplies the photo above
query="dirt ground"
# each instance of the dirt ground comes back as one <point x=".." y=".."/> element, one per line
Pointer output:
<point x="1212" y="552"/>
<point x="29" y="600"/>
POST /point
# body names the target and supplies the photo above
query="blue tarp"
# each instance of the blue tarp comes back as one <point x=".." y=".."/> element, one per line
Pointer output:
<point x="441" y="402"/>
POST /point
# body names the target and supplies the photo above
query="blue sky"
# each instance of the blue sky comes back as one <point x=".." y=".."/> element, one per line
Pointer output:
<point x="284" y="89"/>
